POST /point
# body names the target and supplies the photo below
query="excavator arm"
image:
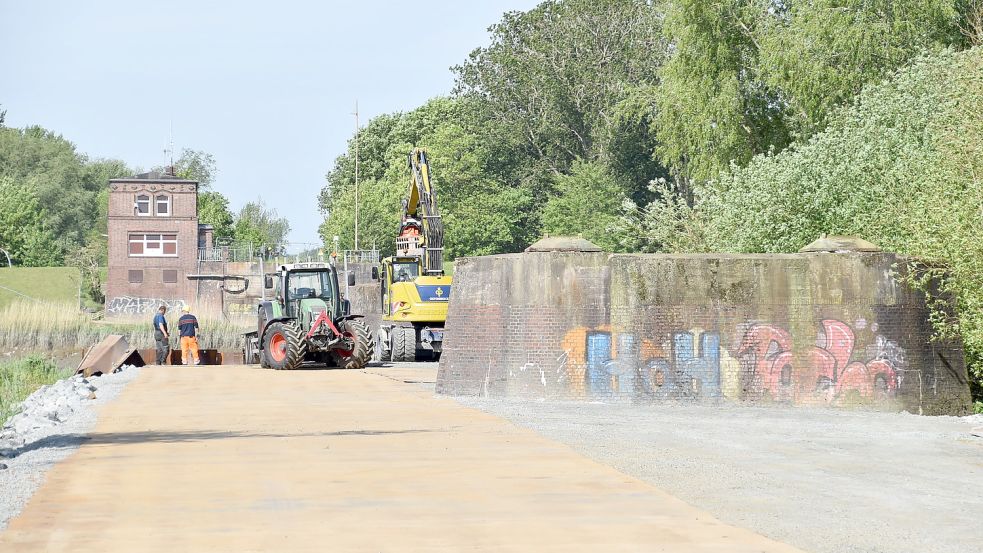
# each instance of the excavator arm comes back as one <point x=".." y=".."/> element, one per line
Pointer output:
<point x="420" y="211"/>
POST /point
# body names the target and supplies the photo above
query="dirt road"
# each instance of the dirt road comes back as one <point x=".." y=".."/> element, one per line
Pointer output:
<point x="242" y="459"/>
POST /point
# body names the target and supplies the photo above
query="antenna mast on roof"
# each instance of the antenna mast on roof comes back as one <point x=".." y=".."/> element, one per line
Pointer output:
<point x="169" y="151"/>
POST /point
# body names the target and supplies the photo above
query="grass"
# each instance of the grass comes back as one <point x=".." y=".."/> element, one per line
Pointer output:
<point x="44" y="284"/>
<point x="33" y="326"/>
<point x="56" y="284"/>
<point x="19" y="379"/>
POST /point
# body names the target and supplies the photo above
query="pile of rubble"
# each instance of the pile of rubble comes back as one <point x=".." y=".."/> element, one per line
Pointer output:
<point x="44" y="411"/>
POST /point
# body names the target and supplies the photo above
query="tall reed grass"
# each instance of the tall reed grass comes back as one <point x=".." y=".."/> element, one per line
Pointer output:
<point x="53" y="326"/>
<point x="19" y="379"/>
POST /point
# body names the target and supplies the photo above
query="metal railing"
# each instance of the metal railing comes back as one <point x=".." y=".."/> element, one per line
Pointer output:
<point x="362" y="256"/>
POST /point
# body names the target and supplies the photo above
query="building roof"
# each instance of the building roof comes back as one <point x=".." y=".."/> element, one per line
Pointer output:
<point x="156" y="176"/>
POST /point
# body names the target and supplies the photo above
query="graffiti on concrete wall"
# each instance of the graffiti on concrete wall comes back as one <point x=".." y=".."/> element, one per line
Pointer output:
<point x="127" y="305"/>
<point x="828" y="369"/>
<point x="763" y="364"/>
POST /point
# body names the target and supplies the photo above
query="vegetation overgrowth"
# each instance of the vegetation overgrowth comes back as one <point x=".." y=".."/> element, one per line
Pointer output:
<point x="20" y="378"/>
<point x="903" y="168"/>
<point x="35" y="326"/>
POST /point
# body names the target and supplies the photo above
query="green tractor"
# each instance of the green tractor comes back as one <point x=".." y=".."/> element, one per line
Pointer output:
<point x="307" y="320"/>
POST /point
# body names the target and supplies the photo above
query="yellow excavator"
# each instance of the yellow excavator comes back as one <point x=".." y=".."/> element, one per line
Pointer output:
<point x="414" y="289"/>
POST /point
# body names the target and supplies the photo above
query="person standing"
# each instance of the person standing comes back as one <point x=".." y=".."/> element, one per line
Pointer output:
<point x="188" y="326"/>
<point x="161" y="336"/>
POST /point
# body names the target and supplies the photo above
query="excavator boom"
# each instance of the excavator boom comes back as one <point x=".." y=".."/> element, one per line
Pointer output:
<point x="420" y="208"/>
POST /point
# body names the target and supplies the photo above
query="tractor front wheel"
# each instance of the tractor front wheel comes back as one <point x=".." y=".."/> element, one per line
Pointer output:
<point x="361" y="351"/>
<point x="284" y="346"/>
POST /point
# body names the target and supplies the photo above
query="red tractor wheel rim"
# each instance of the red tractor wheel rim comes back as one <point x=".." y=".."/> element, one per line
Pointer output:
<point x="278" y="347"/>
<point x="347" y="352"/>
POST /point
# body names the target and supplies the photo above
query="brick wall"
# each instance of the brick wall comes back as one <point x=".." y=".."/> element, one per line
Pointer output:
<point x="805" y="329"/>
<point x="124" y="297"/>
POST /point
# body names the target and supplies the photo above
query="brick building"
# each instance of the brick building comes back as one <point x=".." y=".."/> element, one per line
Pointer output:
<point x="154" y="238"/>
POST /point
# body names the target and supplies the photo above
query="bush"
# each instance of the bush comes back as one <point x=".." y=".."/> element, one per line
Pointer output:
<point x="19" y="379"/>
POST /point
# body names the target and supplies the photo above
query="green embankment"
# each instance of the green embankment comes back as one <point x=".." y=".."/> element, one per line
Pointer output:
<point x="50" y="284"/>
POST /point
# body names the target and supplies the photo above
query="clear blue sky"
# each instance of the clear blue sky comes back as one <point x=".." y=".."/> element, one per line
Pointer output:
<point x="268" y="88"/>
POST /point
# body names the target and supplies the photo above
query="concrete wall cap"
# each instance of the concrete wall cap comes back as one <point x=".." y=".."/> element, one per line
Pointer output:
<point x="563" y="244"/>
<point x="838" y="244"/>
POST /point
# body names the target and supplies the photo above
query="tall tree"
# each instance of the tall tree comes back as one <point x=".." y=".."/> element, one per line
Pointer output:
<point x="552" y="77"/>
<point x="261" y="227"/>
<point x="711" y="108"/>
<point x="821" y="53"/>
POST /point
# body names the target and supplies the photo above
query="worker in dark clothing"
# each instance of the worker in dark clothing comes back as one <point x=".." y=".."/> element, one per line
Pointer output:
<point x="161" y="336"/>
<point x="188" y="325"/>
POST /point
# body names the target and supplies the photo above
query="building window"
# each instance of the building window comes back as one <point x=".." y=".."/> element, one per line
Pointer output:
<point x="163" y="206"/>
<point x="170" y="276"/>
<point x="135" y="276"/>
<point x="143" y="205"/>
<point x="153" y="245"/>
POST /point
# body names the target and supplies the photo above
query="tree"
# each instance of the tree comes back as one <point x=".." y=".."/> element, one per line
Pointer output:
<point x="748" y="76"/>
<point x="588" y="203"/>
<point x="552" y="77"/>
<point x="213" y="209"/>
<point x="49" y="166"/>
<point x="260" y="227"/>
<point x="483" y="212"/>
<point x="710" y="106"/>
<point x="95" y="177"/>
<point x="194" y="165"/>
<point x="821" y="53"/>
<point x="24" y="233"/>
<point x="88" y="260"/>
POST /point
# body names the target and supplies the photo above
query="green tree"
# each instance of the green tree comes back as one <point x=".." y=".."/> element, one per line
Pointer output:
<point x="261" y="227"/>
<point x="196" y="165"/>
<point x="588" y="203"/>
<point x="483" y="212"/>
<point x="213" y="209"/>
<point x="49" y="166"/>
<point x="551" y="79"/>
<point x="711" y="107"/>
<point x="24" y="233"/>
<point x="821" y="53"/>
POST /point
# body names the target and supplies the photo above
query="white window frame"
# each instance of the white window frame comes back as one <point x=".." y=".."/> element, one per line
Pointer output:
<point x="137" y="201"/>
<point x="148" y="238"/>
<point x="158" y="201"/>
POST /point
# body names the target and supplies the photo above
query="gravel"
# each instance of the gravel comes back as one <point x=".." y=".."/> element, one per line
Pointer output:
<point x="51" y="424"/>
<point x="826" y="481"/>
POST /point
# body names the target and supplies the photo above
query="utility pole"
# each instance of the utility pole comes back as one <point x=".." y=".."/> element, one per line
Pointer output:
<point x="356" y="175"/>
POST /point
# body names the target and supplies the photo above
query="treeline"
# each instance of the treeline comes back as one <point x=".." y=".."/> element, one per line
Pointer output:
<point x="684" y="125"/>
<point x="54" y="201"/>
<point x="577" y="106"/>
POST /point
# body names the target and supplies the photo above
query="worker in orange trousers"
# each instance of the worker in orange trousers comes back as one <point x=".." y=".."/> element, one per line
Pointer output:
<point x="188" y="325"/>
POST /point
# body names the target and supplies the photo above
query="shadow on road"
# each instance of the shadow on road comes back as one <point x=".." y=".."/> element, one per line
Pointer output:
<point x="58" y="441"/>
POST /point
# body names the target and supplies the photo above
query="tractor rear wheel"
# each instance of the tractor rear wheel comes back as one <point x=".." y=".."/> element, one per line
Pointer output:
<point x="403" y="344"/>
<point x="284" y="346"/>
<point x="361" y="352"/>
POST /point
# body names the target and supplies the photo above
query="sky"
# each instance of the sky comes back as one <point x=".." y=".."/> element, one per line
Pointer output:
<point x="268" y="88"/>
